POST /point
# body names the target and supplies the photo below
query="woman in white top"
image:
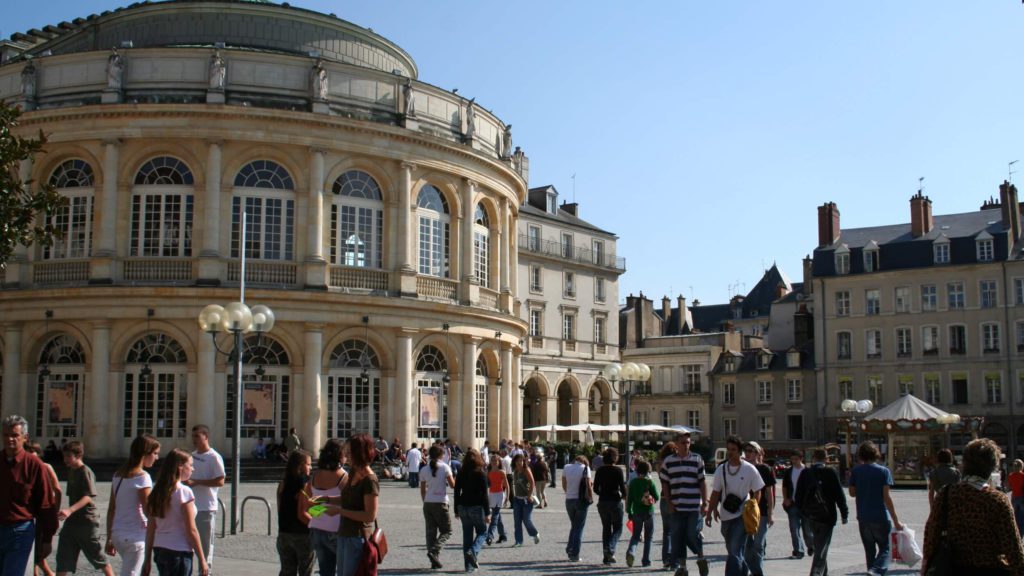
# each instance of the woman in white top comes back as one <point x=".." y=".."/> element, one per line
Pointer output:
<point x="323" y="485"/>
<point x="126" y="516"/>
<point x="435" y="480"/>
<point x="171" y="536"/>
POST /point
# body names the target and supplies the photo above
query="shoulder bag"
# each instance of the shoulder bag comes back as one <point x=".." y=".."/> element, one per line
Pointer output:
<point x="584" y="493"/>
<point x="940" y="563"/>
<point x="379" y="540"/>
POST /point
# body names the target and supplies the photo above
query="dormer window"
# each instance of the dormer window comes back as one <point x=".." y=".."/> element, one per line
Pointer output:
<point x="552" y="203"/>
<point x="843" y="260"/>
<point x="871" y="257"/>
<point x="764" y="360"/>
<point x="793" y="359"/>
<point x="730" y="364"/>
<point x="940" y="250"/>
<point x="983" y="243"/>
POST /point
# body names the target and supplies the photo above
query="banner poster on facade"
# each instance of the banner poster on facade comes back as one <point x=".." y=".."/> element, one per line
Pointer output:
<point x="430" y="407"/>
<point x="258" y="403"/>
<point x="62" y="402"/>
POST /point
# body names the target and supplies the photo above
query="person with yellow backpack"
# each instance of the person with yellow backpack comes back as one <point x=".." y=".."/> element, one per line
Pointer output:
<point x="761" y="516"/>
<point x="735" y="482"/>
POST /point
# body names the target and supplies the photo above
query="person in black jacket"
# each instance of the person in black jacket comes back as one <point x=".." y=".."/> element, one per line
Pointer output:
<point x="471" y="506"/>
<point x="799" y="531"/>
<point x="818" y="494"/>
<point x="610" y="486"/>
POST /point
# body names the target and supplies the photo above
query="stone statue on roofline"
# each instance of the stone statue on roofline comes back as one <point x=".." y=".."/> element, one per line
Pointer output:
<point x="410" y="102"/>
<point x="218" y="71"/>
<point x="28" y="81"/>
<point x="319" y="78"/>
<point x="115" y="70"/>
<point x="506" y="142"/>
<point x="470" y="119"/>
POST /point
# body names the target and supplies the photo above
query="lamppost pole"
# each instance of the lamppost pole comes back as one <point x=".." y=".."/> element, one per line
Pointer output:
<point x="852" y="408"/>
<point x="498" y="383"/>
<point x="622" y="379"/>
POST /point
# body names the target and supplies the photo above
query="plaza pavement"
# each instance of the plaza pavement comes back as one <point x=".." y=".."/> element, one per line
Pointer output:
<point x="253" y="553"/>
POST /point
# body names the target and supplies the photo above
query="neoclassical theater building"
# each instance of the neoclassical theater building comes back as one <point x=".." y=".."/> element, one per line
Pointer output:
<point x="381" y="216"/>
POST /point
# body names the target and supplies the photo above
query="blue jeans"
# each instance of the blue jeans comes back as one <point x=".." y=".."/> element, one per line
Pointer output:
<point x="1018" y="513"/>
<point x="522" y="513"/>
<point x="799" y="530"/>
<point x="642" y="522"/>
<point x="473" y="521"/>
<point x="685" y="534"/>
<point x="875" y="537"/>
<point x="666" y="531"/>
<point x="15" y="546"/>
<point x="350" y="551"/>
<point x="325" y="545"/>
<point x="414" y="479"/>
<point x="496" y="524"/>
<point x="611" y="524"/>
<point x="754" y="550"/>
<point x="577" y="511"/>
<point x="735" y="541"/>
<point x="172" y="562"/>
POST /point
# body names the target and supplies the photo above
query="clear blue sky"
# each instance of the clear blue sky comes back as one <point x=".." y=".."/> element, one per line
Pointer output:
<point x="705" y="134"/>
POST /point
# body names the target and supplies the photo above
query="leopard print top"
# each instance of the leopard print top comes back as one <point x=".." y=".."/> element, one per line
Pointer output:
<point x="980" y="529"/>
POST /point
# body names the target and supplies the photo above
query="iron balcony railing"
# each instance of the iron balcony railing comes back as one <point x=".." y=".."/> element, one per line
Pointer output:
<point x="571" y="253"/>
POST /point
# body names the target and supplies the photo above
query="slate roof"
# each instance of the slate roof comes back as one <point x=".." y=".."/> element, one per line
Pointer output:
<point x="756" y="304"/>
<point x="562" y="216"/>
<point x="748" y="360"/>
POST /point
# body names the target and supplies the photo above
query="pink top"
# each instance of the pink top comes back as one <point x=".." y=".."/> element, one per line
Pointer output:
<point x="170" y="530"/>
<point x="326" y="522"/>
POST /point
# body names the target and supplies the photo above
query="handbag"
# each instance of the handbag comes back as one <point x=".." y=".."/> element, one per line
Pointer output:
<point x="941" y="561"/>
<point x="732" y="502"/>
<point x="379" y="541"/>
<point x="585" y="498"/>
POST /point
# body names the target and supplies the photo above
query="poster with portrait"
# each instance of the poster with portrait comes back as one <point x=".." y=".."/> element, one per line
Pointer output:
<point x="430" y="407"/>
<point x="258" y="404"/>
<point x="62" y="402"/>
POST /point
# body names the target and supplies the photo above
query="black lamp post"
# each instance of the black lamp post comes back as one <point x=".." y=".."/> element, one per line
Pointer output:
<point x="622" y="378"/>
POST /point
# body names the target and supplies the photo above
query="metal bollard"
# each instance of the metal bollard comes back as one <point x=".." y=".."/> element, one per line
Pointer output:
<point x="223" y="518"/>
<point x="241" y="528"/>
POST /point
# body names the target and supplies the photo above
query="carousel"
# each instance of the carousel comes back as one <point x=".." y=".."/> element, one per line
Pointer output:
<point x="914" y="431"/>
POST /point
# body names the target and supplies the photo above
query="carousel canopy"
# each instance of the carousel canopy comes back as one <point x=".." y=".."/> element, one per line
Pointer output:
<point x="908" y="407"/>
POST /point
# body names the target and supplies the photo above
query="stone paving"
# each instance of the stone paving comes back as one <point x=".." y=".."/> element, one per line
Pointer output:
<point x="253" y="553"/>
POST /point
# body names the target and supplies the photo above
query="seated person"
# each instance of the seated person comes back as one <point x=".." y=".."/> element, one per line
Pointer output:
<point x="259" y="451"/>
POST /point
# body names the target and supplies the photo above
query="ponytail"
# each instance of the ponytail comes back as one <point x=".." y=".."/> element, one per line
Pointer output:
<point x="435" y="453"/>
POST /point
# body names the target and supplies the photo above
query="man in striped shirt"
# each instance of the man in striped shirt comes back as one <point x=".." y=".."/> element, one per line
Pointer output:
<point x="682" y="478"/>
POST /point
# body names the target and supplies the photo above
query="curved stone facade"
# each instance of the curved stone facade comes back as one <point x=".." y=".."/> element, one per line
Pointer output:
<point x="382" y="237"/>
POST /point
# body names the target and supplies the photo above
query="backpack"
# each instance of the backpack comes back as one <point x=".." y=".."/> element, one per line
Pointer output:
<point x="814" y="505"/>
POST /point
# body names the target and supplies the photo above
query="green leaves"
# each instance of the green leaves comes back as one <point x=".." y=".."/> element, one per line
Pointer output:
<point x="23" y="204"/>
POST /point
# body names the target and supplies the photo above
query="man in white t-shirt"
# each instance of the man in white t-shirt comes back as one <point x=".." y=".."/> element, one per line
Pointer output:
<point x="735" y="481"/>
<point x="506" y="467"/>
<point x="413" y="459"/>
<point x="434" y="486"/>
<point x="206" y="481"/>
<point x="576" y="504"/>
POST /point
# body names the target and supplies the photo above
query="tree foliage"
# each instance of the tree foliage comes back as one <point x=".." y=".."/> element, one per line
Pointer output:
<point x="22" y="209"/>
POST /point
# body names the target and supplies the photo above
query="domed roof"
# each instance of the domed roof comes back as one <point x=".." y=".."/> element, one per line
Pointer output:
<point x="241" y="24"/>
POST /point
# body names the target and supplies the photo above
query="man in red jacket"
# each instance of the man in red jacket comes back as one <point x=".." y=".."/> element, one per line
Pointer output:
<point x="24" y="491"/>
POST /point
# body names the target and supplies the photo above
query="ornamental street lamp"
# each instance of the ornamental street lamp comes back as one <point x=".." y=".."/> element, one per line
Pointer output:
<point x="238" y="319"/>
<point x="852" y="408"/>
<point x="622" y="379"/>
<point x="498" y="383"/>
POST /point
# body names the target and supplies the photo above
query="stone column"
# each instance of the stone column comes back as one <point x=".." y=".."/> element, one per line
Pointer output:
<point x="469" y="288"/>
<point x="209" y="266"/>
<point x="516" y="399"/>
<point x="467" y="433"/>
<point x="99" y="426"/>
<point x="502" y="243"/>
<point x="316" y="266"/>
<point x="310" y="425"/>
<point x="206" y="383"/>
<point x="513" y="258"/>
<point x="102" y="269"/>
<point x="13" y="385"/>
<point x="406" y="277"/>
<point x="405" y="421"/>
<point x="511" y="385"/>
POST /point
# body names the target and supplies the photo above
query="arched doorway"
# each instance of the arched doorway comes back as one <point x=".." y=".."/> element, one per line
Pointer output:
<point x="353" y="390"/>
<point x="565" y="412"/>
<point x="599" y="403"/>
<point x="532" y="398"/>
<point x="59" y="389"/>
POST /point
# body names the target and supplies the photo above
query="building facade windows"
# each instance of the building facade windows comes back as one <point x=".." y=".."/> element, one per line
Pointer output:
<point x="988" y="293"/>
<point x="59" y="396"/>
<point x="162" y="209"/>
<point x="536" y="323"/>
<point x="795" y="426"/>
<point x="929" y="298"/>
<point x="940" y="251"/>
<point x="871" y="258"/>
<point x="844" y="345"/>
<point x="764" y="428"/>
<point x="957" y="339"/>
<point x="843" y="262"/>
<point x="794" y="390"/>
<point x="692" y="374"/>
<point x="1018" y="291"/>
<point x="266" y="372"/>
<point x="1020" y="336"/>
<point x="533" y="238"/>
<point x="764" y="391"/>
<point x="990" y="340"/>
<point x="357" y="221"/>
<point x="906" y="383"/>
<point x="599" y="289"/>
<point x="729" y="427"/>
<point x="873" y="343"/>
<point x="930" y="340"/>
<point x="666" y="418"/>
<point x="932" y="389"/>
<point x="600" y="337"/>
<point x="73" y="179"/>
<point x="352" y="403"/>
<point x="842" y="303"/>
<point x="993" y="388"/>
<point x="567" y="246"/>
<point x="569" y="326"/>
<point x="693" y="418"/>
<point x="481" y="246"/>
<point x="875" y="390"/>
<point x="597" y="252"/>
<point x="904" y="346"/>
<point x="434" y="229"/>
<point x="536" y="279"/>
<point x="729" y="394"/>
<point x="845" y="388"/>
<point x="872" y="302"/>
<point x="959" y="384"/>
<point x="984" y="247"/>
<point x="955" y="295"/>
<point x="569" y="284"/>
<point x="901" y="299"/>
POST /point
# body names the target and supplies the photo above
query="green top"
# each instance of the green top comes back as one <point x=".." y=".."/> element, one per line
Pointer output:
<point x="82" y="483"/>
<point x="637" y="488"/>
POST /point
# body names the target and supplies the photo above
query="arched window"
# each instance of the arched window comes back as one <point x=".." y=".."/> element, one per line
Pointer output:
<point x="266" y="389"/>
<point x="162" y="207"/>
<point x="353" y="390"/>
<point x="155" y="388"/>
<point x="266" y="190"/>
<point x="357" y="221"/>
<point x="73" y="179"/>
<point x="59" y="390"/>
<point x="480" y="399"/>
<point x="481" y="245"/>
<point x="431" y="376"/>
<point x="434" y="224"/>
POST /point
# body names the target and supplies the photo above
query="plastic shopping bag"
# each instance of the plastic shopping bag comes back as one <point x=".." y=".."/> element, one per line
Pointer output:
<point x="904" y="547"/>
<point x="629" y="525"/>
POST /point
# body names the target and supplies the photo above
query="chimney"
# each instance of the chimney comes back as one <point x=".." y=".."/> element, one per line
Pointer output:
<point x="1010" y="209"/>
<point x="666" y="314"/>
<point x="571" y="208"/>
<point x="921" y="221"/>
<point x="828" y="224"/>
<point x="808" y="275"/>
<point x="681" y="302"/>
<point x="780" y="291"/>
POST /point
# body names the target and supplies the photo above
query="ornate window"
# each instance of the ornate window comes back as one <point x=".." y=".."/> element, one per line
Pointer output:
<point x="155" y="388"/>
<point x="481" y="245"/>
<point x="59" y="392"/>
<point x="480" y="398"/>
<point x="73" y="179"/>
<point x="270" y="212"/>
<point x="431" y="373"/>
<point x="357" y="221"/>
<point x="162" y="209"/>
<point x="266" y="389"/>
<point x="353" y="403"/>
<point x="434" y="229"/>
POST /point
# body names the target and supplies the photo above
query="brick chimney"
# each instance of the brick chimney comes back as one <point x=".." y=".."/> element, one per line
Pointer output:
<point x="828" y="224"/>
<point x="681" y="301"/>
<point x="808" y="275"/>
<point x="571" y="208"/>
<point x="1010" y="209"/>
<point x="666" y="314"/>
<point x="921" y="221"/>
